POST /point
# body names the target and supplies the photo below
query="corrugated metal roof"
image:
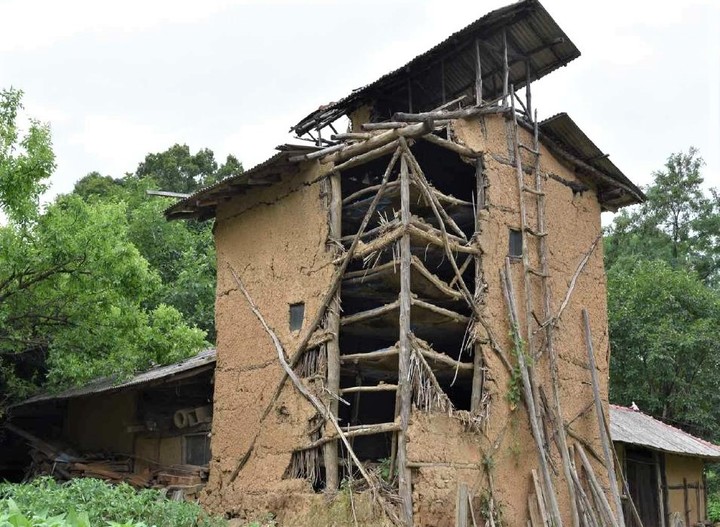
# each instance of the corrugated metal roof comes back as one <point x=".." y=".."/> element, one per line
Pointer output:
<point x="532" y="34"/>
<point x="204" y="359"/>
<point x="636" y="428"/>
<point x="561" y="129"/>
<point x="202" y="203"/>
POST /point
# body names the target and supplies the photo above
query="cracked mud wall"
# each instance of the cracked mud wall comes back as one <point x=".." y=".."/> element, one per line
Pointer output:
<point x="573" y="223"/>
<point x="275" y="240"/>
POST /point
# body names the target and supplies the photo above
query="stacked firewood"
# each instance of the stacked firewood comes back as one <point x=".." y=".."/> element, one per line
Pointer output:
<point x="62" y="463"/>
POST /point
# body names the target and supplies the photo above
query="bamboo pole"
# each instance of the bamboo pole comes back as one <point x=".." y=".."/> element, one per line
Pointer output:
<point x="604" y="437"/>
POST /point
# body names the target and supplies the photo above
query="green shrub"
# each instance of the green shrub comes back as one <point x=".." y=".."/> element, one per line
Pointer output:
<point x="86" y="502"/>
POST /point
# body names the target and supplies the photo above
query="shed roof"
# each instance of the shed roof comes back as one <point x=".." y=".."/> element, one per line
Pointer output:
<point x="204" y="360"/>
<point x="615" y="189"/>
<point x="534" y="39"/>
<point x="636" y="428"/>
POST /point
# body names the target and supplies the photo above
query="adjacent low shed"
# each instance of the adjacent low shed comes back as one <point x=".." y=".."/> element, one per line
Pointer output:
<point x="149" y="430"/>
<point x="664" y="469"/>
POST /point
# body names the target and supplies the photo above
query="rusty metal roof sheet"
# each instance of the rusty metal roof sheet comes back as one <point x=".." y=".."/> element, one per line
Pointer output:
<point x="204" y="360"/>
<point x="533" y="37"/>
<point x="636" y="428"/>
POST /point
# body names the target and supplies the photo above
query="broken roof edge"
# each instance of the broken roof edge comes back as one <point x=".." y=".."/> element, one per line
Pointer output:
<point x="568" y="142"/>
<point x="636" y="428"/>
<point x="202" y="361"/>
<point x="192" y="206"/>
<point x="566" y="139"/>
<point x="543" y="29"/>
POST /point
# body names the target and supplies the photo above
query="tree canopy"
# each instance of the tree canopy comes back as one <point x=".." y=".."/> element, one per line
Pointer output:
<point x="663" y="264"/>
<point x="97" y="282"/>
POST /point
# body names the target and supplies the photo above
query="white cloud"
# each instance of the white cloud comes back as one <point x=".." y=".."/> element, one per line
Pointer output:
<point x="112" y="140"/>
<point x="32" y="24"/>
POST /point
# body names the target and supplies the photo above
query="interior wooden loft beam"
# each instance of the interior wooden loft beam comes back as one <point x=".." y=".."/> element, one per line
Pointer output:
<point x="370" y="313"/>
<point x="377" y="231"/>
<point x="366" y="275"/>
<point x="355" y="358"/>
<point x="369" y="190"/>
<point x="452" y="315"/>
<point x="382" y="387"/>
<point x="354" y="431"/>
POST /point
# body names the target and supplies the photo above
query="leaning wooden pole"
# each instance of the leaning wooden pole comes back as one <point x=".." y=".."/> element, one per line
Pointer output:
<point x="604" y="439"/>
<point x="549" y="490"/>
<point x="404" y="384"/>
<point x="332" y="325"/>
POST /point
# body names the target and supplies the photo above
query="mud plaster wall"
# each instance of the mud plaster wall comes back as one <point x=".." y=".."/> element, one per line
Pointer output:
<point x="690" y="468"/>
<point x="573" y="223"/>
<point x="275" y="239"/>
<point x="100" y="423"/>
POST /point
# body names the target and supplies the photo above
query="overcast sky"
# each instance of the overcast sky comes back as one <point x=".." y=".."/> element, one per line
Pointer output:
<point x="117" y="80"/>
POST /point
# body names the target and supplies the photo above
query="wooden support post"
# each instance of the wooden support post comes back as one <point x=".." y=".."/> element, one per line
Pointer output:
<point x="330" y="451"/>
<point x="404" y="386"/>
<point x="478" y="366"/>
<point x="661" y="494"/>
<point x="528" y="93"/>
<point x="686" y="505"/>
<point x="461" y="506"/>
<point x="478" y="74"/>
<point x="506" y="68"/>
<point x="604" y="439"/>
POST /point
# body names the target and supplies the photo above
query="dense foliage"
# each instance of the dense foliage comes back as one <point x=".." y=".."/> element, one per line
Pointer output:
<point x="90" y="502"/>
<point x="663" y="264"/>
<point x="98" y="282"/>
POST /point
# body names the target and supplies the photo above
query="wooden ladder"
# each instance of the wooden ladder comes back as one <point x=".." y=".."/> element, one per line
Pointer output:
<point x="539" y="231"/>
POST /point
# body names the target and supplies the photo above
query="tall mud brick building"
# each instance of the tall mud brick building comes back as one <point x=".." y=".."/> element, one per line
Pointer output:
<point x="411" y="309"/>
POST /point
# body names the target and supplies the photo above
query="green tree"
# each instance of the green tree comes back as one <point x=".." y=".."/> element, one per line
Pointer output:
<point x="25" y="162"/>
<point x="73" y="285"/>
<point x="177" y="170"/>
<point x="663" y="264"/>
<point x="182" y="253"/>
<point x="679" y="223"/>
<point x="664" y="330"/>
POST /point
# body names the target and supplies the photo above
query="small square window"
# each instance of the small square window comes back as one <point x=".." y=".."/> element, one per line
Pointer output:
<point x="297" y="314"/>
<point x="197" y="449"/>
<point x="515" y="245"/>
